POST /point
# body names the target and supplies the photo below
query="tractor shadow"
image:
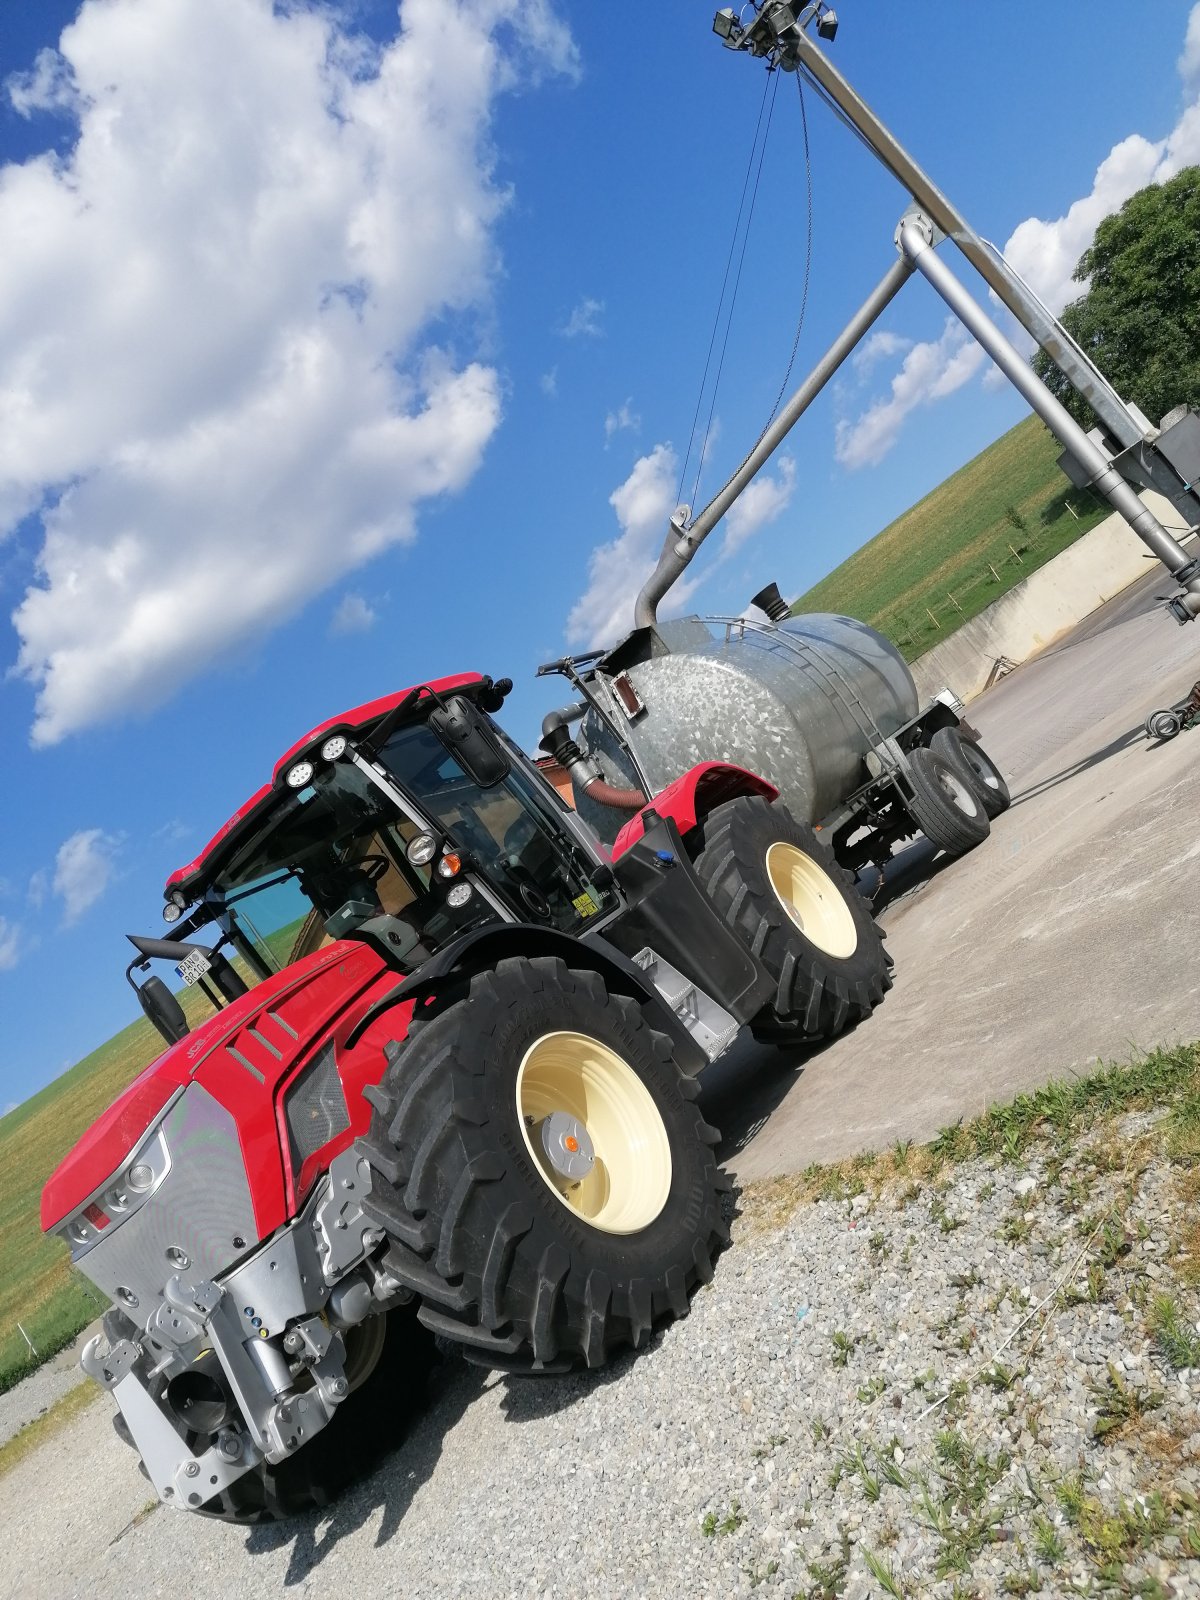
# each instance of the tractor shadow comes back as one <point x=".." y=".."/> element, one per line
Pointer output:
<point x="387" y="1493"/>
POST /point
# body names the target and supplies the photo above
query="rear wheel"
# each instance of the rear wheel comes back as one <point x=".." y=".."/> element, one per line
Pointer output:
<point x="543" y="1170"/>
<point x="778" y="887"/>
<point x="944" y="805"/>
<point x="1163" y="724"/>
<point x="974" y="763"/>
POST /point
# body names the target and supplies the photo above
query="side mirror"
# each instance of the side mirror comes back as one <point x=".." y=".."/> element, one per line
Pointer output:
<point x="163" y="1010"/>
<point x="466" y="734"/>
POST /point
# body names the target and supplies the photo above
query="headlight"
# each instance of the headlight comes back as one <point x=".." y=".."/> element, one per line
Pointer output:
<point x="422" y="849"/>
<point x="299" y="775"/>
<point x="334" y="748"/>
<point x="459" y="894"/>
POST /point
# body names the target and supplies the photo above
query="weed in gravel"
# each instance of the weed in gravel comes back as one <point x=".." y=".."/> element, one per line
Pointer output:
<point x="1119" y="1403"/>
<point x="888" y="1462"/>
<point x="961" y="1511"/>
<point x="1174" y="1338"/>
<point x="872" y="1389"/>
<point x="829" y="1577"/>
<point x="1021" y="1583"/>
<point x="1047" y="1544"/>
<point x="757" y="1577"/>
<point x="900" y="1153"/>
<point x="998" y="1377"/>
<point x="985" y="1191"/>
<point x="820" y="1429"/>
<point x="843" y="1347"/>
<point x="854" y="1465"/>
<point x="1015" y="1229"/>
<point x="729" y="1523"/>
<point x="883" y="1575"/>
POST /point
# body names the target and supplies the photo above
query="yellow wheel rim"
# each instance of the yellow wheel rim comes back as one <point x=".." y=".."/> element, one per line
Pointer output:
<point x="813" y="901"/>
<point x="593" y="1132"/>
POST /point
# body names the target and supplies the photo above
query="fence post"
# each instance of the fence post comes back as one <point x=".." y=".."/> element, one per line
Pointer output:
<point x="28" y="1340"/>
<point x="933" y="619"/>
<point x="1016" y="555"/>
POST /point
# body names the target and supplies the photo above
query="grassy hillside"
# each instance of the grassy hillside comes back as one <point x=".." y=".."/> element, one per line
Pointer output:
<point x="38" y="1287"/>
<point x="991" y="524"/>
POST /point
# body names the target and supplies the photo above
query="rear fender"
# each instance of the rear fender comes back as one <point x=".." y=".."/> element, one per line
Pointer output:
<point x="449" y="972"/>
<point x="690" y="798"/>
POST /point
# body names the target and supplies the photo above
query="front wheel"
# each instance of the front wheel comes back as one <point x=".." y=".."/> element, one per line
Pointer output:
<point x="540" y="1136"/>
<point x="781" y="890"/>
<point x="389" y="1360"/>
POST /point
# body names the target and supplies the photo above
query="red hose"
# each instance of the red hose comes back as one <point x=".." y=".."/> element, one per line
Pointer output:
<point x="621" y="799"/>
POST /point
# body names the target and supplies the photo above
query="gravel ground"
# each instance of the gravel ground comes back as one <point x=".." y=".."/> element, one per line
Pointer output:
<point x="776" y="1439"/>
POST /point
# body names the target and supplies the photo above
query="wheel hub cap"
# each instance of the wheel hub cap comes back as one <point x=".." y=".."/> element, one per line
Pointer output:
<point x="567" y="1147"/>
<point x="595" y="1136"/>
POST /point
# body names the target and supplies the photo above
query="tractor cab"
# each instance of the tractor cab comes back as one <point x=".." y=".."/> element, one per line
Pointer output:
<point x="404" y="824"/>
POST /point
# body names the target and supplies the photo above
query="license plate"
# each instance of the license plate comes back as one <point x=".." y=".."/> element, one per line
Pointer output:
<point x="193" y="966"/>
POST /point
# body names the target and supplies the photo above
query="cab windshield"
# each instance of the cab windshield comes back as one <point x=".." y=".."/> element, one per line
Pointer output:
<point x="331" y="857"/>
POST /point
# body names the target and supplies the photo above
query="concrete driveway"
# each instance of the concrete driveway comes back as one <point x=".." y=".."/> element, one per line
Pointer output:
<point x="1070" y="936"/>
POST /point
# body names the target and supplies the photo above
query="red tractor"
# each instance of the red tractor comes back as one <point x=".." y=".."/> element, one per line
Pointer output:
<point x="448" y="1090"/>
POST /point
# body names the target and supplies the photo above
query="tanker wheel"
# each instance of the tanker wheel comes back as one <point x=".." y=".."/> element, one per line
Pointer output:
<point x="974" y="763"/>
<point x="781" y="890"/>
<point x="389" y="1358"/>
<point x="541" y="1137"/>
<point x="945" y="805"/>
<point x="1163" y="724"/>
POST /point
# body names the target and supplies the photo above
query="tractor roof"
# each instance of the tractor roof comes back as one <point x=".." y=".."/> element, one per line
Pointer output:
<point x="358" y="720"/>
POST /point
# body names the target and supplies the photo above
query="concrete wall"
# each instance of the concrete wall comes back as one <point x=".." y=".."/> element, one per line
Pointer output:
<point x="1044" y="606"/>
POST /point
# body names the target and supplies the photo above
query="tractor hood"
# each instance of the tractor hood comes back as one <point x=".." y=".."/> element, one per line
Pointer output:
<point x="278" y="1021"/>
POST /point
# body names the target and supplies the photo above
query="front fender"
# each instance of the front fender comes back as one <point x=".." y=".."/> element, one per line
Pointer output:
<point x="690" y="798"/>
<point x="483" y="948"/>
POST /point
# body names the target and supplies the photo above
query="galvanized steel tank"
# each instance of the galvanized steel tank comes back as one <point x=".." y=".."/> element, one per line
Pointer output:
<point x="800" y="702"/>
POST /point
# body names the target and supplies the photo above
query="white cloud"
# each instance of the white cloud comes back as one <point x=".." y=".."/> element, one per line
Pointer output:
<point x="1189" y="60"/>
<point x="353" y="615"/>
<point x="83" y="869"/>
<point x="644" y="504"/>
<point x="1045" y="253"/>
<point x="619" y="420"/>
<point x="879" y="346"/>
<point x="584" y="320"/>
<point x="10" y="945"/>
<point x="39" y="888"/>
<point x="766" y="497"/>
<point x="216" y="379"/>
<point x="930" y="371"/>
<point x="617" y="570"/>
<point x="548" y="383"/>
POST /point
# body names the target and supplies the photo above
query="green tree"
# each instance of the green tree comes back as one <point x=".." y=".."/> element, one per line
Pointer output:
<point x="1139" y="318"/>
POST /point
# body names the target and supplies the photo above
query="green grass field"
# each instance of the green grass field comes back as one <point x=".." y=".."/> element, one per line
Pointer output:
<point x="991" y="523"/>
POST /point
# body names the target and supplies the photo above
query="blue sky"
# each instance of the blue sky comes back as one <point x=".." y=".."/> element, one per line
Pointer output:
<point x="333" y="358"/>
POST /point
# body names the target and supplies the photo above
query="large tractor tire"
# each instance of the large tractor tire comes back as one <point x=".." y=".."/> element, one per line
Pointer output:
<point x="778" y="887"/>
<point x="945" y="806"/>
<point x="976" y="766"/>
<point x="389" y="1359"/>
<point x="544" y="1157"/>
